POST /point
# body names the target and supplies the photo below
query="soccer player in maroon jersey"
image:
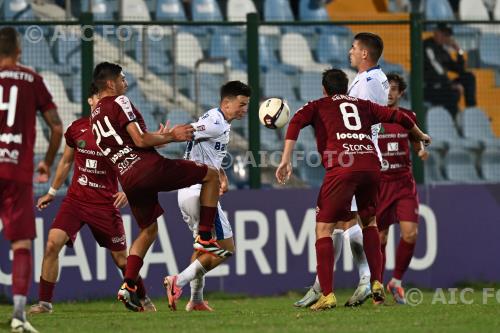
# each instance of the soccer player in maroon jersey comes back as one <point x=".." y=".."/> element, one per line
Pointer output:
<point x="120" y="133"/>
<point x="22" y="94"/>
<point x="343" y="136"/>
<point x="92" y="199"/>
<point x="397" y="192"/>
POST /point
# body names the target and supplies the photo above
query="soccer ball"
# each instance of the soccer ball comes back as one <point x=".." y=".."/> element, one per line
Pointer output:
<point x="274" y="113"/>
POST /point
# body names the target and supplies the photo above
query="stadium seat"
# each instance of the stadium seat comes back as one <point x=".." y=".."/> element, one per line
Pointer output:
<point x="101" y="9"/>
<point x="268" y="56"/>
<point x="432" y="167"/>
<point x="157" y="55"/>
<point x="334" y="49"/>
<point x="205" y="10"/>
<point x="277" y="84"/>
<point x="438" y="10"/>
<point x="460" y="166"/>
<point x="306" y="139"/>
<point x="170" y="10"/>
<point x="310" y="87"/>
<point x="189" y="51"/>
<point x="312" y="175"/>
<point x="310" y="10"/>
<point x="67" y="52"/>
<point x="38" y="55"/>
<point x="496" y="11"/>
<point x="179" y="116"/>
<point x="17" y="10"/>
<point x="489" y="49"/>
<point x="135" y="10"/>
<point x="295" y="51"/>
<point x="277" y="10"/>
<point x="467" y="37"/>
<point x="222" y="46"/>
<point x="238" y="75"/>
<point x="477" y="126"/>
<point x="208" y="89"/>
<point x="490" y="165"/>
<point x="473" y="10"/>
<point x="443" y="131"/>
<point x="388" y="67"/>
<point x="269" y="140"/>
<point x="237" y="10"/>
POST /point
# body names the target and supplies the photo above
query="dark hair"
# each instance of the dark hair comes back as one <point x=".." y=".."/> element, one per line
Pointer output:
<point x="233" y="89"/>
<point x="93" y="90"/>
<point x="9" y="42"/>
<point x="335" y="81"/>
<point x="105" y="71"/>
<point x="373" y="43"/>
<point x="399" y="80"/>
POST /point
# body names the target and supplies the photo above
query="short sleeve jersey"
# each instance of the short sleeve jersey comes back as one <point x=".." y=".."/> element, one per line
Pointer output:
<point x="395" y="147"/>
<point x="94" y="180"/>
<point x="209" y="145"/>
<point x="22" y="93"/>
<point x="343" y="131"/>
<point x="109" y="125"/>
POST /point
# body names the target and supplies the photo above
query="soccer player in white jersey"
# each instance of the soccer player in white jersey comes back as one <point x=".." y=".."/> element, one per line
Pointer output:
<point x="371" y="84"/>
<point x="209" y="146"/>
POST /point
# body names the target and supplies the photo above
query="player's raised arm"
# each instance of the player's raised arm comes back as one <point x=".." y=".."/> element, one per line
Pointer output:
<point x="52" y="119"/>
<point x="62" y="172"/>
<point x="178" y="133"/>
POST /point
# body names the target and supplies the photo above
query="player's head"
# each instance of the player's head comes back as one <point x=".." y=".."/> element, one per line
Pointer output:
<point x="93" y="97"/>
<point x="234" y="99"/>
<point x="397" y="87"/>
<point x="10" y="44"/>
<point x="443" y="34"/>
<point x="109" y="79"/>
<point x="366" y="49"/>
<point x="334" y="82"/>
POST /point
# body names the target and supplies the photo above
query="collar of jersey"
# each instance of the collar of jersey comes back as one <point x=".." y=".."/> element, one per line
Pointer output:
<point x="374" y="67"/>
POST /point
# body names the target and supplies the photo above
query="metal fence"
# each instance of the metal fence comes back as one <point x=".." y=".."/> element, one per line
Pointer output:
<point x="174" y="71"/>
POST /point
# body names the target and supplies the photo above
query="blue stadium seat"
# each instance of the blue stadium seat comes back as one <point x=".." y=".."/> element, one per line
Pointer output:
<point x="477" y="126"/>
<point x="277" y="10"/>
<point x="490" y="165"/>
<point x="460" y="166"/>
<point x="334" y="49"/>
<point x="223" y="46"/>
<point x="432" y="167"/>
<point x="171" y="10"/>
<point x="17" y="10"/>
<point x="310" y="87"/>
<point x="489" y="49"/>
<point x="158" y="58"/>
<point x="438" y="10"/>
<point x="269" y="140"/>
<point x="389" y="67"/>
<point x="179" y="116"/>
<point x="67" y="52"/>
<point x="206" y="10"/>
<point x="277" y="84"/>
<point x="38" y="55"/>
<point x="306" y="139"/>
<point x="209" y="89"/>
<point x="312" y="10"/>
<point x="312" y="175"/>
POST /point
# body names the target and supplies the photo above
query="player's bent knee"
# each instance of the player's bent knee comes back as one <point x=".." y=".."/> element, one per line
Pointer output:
<point x="53" y="247"/>
<point x="410" y="236"/>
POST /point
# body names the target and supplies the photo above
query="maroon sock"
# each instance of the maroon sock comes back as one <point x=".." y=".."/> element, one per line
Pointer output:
<point x="207" y="220"/>
<point x="141" y="290"/>
<point x="404" y="253"/>
<point x="325" y="262"/>
<point x="382" y="249"/>
<point x="134" y="264"/>
<point x="46" y="290"/>
<point x="371" y="243"/>
<point x="21" y="271"/>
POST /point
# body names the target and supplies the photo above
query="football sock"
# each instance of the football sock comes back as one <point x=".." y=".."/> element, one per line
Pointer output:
<point x="338" y="242"/>
<point x="134" y="264"/>
<point x="207" y="219"/>
<point x="316" y="286"/>
<point x="404" y="253"/>
<point x="355" y="235"/>
<point x="382" y="249"/>
<point x="19" y="305"/>
<point x="371" y="242"/>
<point x="21" y="271"/>
<point x="197" y="285"/>
<point x="141" y="290"/>
<point x="325" y="262"/>
<point x="195" y="269"/>
<point x="46" y="291"/>
<point x="396" y="282"/>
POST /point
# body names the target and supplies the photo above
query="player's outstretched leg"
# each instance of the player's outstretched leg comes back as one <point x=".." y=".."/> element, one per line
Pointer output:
<point x="371" y="242"/>
<point x="325" y="259"/>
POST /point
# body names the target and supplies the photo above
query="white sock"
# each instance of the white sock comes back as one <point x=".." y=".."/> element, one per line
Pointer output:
<point x="190" y="273"/>
<point x="338" y="241"/>
<point x="197" y="285"/>
<point x="19" y="305"/>
<point x="396" y="282"/>
<point x="358" y="253"/>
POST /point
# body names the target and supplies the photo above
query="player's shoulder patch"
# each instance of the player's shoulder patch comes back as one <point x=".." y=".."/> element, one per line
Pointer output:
<point x="369" y="78"/>
<point x="126" y="106"/>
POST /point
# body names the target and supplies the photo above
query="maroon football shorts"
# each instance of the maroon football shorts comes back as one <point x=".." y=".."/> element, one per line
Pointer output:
<point x="335" y="196"/>
<point x="17" y="210"/>
<point x="397" y="201"/>
<point x="168" y="175"/>
<point x="105" y="223"/>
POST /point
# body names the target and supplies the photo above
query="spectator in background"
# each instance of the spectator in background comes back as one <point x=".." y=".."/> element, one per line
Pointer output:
<point x="439" y="89"/>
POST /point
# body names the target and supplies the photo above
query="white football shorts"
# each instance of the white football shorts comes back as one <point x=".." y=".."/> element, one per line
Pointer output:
<point x="189" y="204"/>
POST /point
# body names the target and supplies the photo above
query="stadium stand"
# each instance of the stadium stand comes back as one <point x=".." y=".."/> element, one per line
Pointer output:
<point x="473" y="10"/>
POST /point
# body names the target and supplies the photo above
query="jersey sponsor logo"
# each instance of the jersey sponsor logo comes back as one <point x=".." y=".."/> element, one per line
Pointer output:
<point x="11" y="138"/>
<point x="392" y="146"/>
<point x="91" y="164"/>
<point x="121" y="153"/>
<point x="92" y="171"/>
<point x="356" y="136"/>
<point x="385" y="165"/>
<point x="124" y="103"/>
<point x="200" y="128"/>
<point x="88" y="152"/>
<point x="358" y="148"/>
<point x="119" y="240"/>
<point x="9" y="155"/>
<point x="83" y="180"/>
<point x="127" y="163"/>
<point x="81" y="143"/>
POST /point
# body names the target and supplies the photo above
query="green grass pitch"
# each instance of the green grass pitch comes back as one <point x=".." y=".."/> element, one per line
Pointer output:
<point x="270" y="314"/>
